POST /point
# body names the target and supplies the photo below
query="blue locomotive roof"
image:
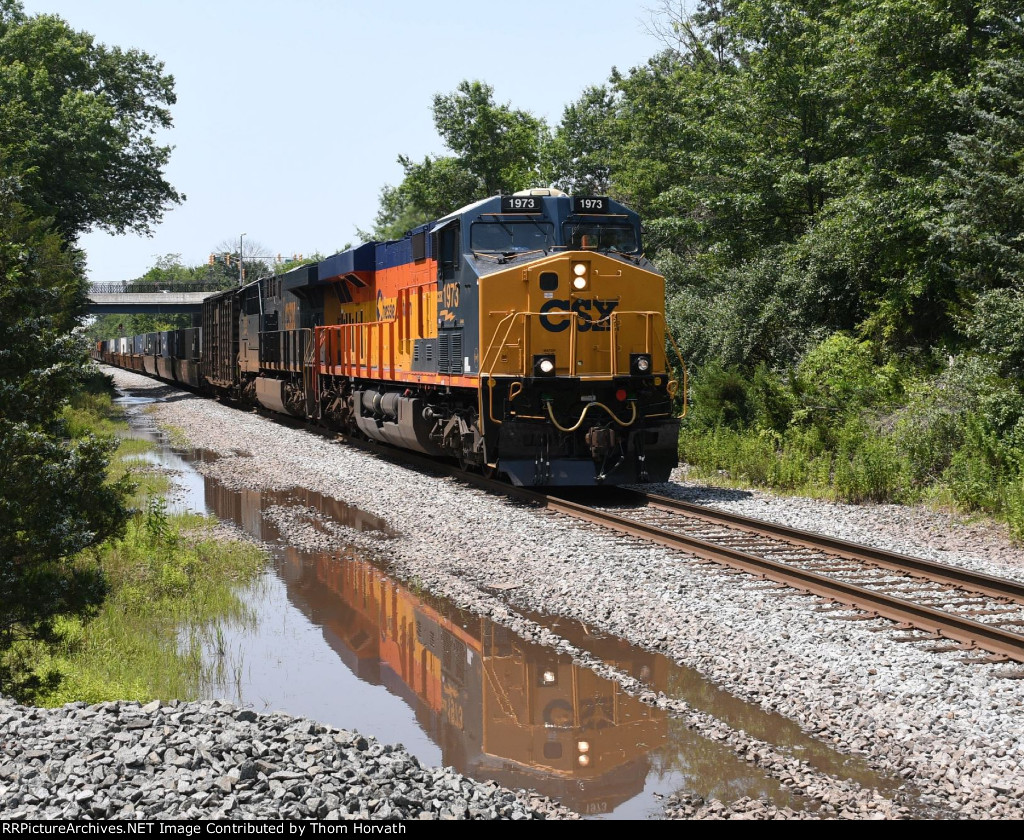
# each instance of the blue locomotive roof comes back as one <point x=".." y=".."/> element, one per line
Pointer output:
<point x="360" y="258"/>
<point x="552" y="207"/>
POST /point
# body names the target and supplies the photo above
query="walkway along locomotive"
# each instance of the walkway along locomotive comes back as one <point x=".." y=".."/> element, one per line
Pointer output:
<point x="523" y="335"/>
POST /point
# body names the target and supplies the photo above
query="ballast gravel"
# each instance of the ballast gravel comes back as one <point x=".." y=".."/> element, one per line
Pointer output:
<point x="212" y="760"/>
<point x="950" y="730"/>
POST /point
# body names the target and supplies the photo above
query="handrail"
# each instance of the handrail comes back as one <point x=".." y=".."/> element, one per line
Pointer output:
<point x="682" y="365"/>
<point x="336" y="348"/>
<point x="490" y="355"/>
<point x="583" y="414"/>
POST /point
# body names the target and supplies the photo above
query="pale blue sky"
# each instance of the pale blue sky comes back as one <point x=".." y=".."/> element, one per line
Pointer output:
<point x="290" y="115"/>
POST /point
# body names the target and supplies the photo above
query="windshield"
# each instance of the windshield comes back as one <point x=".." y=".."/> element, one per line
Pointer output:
<point x="510" y="237"/>
<point x="600" y="237"/>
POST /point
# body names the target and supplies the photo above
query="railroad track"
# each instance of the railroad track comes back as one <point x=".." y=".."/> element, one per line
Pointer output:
<point x="947" y="607"/>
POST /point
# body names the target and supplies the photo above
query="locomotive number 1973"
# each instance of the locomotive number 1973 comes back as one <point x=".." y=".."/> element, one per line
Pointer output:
<point x="450" y="295"/>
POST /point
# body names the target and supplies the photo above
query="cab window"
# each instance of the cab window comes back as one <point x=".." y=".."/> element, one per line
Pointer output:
<point x="511" y="237"/>
<point x="598" y="237"/>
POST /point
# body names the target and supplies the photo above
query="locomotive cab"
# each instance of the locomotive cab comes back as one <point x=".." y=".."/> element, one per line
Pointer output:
<point x="575" y="383"/>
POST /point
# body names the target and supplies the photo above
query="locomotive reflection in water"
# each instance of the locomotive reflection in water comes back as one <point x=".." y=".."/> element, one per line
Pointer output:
<point x="498" y="707"/>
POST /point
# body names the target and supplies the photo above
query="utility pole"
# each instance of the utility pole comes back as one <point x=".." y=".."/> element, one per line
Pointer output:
<point x="241" y="270"/>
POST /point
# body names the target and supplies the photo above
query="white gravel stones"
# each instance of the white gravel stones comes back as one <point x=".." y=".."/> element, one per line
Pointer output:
<point x="952" y="731"/>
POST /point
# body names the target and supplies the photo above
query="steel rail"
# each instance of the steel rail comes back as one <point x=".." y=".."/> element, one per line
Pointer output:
<point x="942" y="624"/>
<point x="937" y="572"/>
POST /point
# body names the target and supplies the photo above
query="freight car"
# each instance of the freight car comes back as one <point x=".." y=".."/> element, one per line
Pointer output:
<point x="522" y="335"/>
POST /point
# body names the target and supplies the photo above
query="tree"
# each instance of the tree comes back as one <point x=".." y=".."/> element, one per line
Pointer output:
<point x="429" y="189"/>
<point x="495" y="149"/>
<point x="54" y="497"/>
<point x="498" y="145"/>
<point x="826" y="155"/>
<point x="982" y="182"/>
<point x="78" y="124"/>
<point x="255" y="260"/>
<point x="579" y="157"/>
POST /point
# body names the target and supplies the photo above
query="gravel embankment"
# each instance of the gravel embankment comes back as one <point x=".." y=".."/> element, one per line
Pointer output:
<point x="949" y="729"/>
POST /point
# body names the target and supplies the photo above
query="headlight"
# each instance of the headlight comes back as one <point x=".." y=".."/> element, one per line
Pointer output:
<point x="639" y="364"/>
<point x="579" y="280"/>
<point x="544" y="364"/>
<point x="584" y="760"/>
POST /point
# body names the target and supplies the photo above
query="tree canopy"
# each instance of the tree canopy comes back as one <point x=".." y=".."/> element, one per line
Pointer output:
<point x="77" y="150"/>
<point x="79" y="125"/>
<point x="495" y="149"/>
<point x="54" y="496"/>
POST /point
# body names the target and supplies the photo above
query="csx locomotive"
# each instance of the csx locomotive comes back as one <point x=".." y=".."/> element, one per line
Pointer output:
<point x="523" y="335"/>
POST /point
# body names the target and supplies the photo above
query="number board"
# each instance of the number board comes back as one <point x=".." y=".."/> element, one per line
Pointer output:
<point x="590" y="204"/>
<point x="521" y="204"/>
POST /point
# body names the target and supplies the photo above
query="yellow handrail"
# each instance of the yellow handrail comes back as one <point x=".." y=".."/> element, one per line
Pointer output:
<point x="510" y="318"/>
<point x="682" y="364"/>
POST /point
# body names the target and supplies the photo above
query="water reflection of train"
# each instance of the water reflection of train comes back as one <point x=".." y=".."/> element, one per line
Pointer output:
<point x="498" y="707"/>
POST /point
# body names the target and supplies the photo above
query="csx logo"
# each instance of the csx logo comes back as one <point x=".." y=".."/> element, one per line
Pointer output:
<point x="385" y="307"/>
<point x="591" y="314"/>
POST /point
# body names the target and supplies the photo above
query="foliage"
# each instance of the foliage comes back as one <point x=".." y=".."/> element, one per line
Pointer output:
<point x="54" y="500"/>
<point x="165" y="578"/>
<point x="842" y="426"/>
<point x="807" y="167"/>
<point x="78" y="124"/>
<point x="495" y="149"/>
<point x="996" y="327"/>
<point x="578" y="157"/>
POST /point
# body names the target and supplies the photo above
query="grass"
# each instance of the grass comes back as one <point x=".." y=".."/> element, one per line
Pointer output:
<point x="859" y="467"/>
<point x="176" y="436"/>
<point x="172" y="589"/>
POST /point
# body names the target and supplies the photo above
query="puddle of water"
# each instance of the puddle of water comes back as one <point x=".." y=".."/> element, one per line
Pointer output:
<point x="337" y="640"/>
<point x="685" y="684"/>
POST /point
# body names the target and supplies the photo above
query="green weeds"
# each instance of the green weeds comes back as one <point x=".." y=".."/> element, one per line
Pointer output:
<point x="844" y="427"/>
<point x="172" y="587"/>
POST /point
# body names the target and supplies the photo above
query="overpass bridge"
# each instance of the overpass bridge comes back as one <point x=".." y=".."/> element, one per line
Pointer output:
<point x="148" y="298"/>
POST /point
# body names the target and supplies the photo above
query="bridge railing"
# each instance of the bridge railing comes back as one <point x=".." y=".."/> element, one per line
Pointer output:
<point x="129" y="287"/>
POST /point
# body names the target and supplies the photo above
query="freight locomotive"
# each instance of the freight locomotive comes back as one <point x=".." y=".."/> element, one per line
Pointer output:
<point x="523" y="335"/>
